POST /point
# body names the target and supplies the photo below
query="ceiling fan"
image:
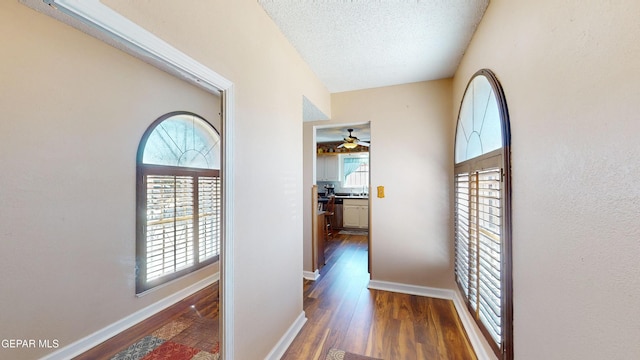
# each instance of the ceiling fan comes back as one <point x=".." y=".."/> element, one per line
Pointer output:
<point x="350" y="142"/>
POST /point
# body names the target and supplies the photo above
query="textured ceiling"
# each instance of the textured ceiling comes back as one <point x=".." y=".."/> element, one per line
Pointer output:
<point x="360" y="44"/>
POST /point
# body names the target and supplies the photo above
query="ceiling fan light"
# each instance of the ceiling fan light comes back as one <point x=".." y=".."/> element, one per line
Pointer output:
<point x="350" y="145"/>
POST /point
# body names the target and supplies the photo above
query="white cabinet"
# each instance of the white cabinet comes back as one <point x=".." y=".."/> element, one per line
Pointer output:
<point x="332" y="168"/>
<point x="327" y="168"/>
<point x="363" y="216"/>
<point x="355" y="213"/>
<point x="350" y="216"/>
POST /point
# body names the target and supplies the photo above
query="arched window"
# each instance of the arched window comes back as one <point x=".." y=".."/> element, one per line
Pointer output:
<point x="178" y="199"/>
<point x="483" y="210"/>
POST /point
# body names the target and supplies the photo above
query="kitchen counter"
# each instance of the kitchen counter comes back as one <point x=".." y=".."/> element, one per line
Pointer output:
<point x="339" y="198"/>
<point x="352" y="197"/>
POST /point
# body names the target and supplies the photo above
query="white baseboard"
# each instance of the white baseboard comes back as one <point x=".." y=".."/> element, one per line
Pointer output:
<point x="411" y="289"/>
<point x="76" y="348"/>
<point x="286" y="339"/>
<point x="475" y="337"/>
<point x="313" y="276"/>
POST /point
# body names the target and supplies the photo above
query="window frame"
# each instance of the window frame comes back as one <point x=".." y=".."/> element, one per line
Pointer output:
<point x="343" y="177"/>
<point x="142" y="171"/>
<point x="502" y="158"/>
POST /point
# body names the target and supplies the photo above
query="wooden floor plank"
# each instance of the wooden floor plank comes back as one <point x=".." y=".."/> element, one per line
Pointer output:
<point x="374" y="323"/>
<point x="341" y="311"/>
<point x="360" y="325"/>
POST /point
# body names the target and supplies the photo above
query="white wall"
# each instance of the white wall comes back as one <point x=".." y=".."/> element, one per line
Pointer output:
<point x="411" y="143"/>
<point x="74" y="110"/>
<point x="571" y="76"/>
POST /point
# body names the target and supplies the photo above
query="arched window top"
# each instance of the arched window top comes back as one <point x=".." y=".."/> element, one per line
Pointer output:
<point x="480" y="120"/>
<point x="181" y="139"/>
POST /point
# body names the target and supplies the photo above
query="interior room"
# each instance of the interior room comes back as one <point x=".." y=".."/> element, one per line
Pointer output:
<point x="79" y="92"/>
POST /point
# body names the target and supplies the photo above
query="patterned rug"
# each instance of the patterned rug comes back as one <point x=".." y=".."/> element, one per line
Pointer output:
<point x="335" y="354"/>
<point x="180" y="339"/>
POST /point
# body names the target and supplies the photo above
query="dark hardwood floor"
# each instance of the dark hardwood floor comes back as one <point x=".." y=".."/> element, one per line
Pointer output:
<point x="342" y="313"/>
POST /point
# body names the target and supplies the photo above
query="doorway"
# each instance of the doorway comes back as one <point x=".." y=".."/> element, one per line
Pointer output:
<point x="98" y="20"/>
<point x="342" y="176"/>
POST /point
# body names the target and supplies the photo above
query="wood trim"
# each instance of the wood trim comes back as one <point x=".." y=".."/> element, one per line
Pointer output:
<point x="314" y="227"/>
<point x="331" y="148"/>
<point x="507" y="258"/>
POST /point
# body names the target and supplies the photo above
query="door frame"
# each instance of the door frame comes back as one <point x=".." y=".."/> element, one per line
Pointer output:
<point x="315" y="182"/>
<point x="109" y="26"/>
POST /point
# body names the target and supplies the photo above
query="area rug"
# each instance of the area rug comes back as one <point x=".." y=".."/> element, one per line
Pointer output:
<point x="353" y="232"/>
<point x="184" y="338"/>
<point x="335" y="354"/>
<point x="153" y="348"/>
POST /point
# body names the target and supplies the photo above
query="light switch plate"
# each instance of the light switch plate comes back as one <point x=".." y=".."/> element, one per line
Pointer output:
<point x="380" y="191"/>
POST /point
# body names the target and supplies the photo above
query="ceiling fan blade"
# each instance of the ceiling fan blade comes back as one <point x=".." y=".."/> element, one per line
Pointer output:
<point x="341" y="145"/>
<point x="362" y="143"/>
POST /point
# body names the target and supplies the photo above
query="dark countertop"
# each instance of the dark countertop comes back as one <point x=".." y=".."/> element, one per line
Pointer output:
<point x="340" y="197"/>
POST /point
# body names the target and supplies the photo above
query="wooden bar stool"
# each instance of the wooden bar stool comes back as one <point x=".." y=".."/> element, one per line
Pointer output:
<point x="329" y="210"/>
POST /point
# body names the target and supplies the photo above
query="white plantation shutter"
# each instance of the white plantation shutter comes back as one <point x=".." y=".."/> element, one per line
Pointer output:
<point x="182" y="223"/>
<point x="169" y="224"/>
<point x="487" y="223"/>
<point x="209" y="214"/>
<point x="478" y="245"/>
<point x="465" y="254"/>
